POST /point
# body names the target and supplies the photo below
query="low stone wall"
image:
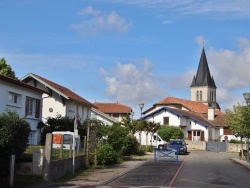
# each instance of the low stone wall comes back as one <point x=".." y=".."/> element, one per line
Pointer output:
<point x="231" y="147"/>
<point x="196" y="145"/>
<point x="59" y="168"/>
<point x="24" y="168"/>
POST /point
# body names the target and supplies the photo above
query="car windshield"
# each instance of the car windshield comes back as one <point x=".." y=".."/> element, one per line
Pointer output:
<point x="179" y="143"/>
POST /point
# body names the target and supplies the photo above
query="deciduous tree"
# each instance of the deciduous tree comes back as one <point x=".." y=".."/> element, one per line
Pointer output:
<point x="238" y="120"/>
<point x="6" y="69"/>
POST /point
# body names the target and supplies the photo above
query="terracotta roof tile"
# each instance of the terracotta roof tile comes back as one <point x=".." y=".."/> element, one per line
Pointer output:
<point x="193" y="106"/>
<point x="19" y="83"/>
<point x="63" y="90"/>
<point x="112" y="107"/>
<point x="196" y="109"/>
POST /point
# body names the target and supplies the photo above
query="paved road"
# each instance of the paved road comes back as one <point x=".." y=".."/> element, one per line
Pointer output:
<point x="197" y="169"/>
<point x="200" y="169"/>
<point x="210" y="169"/>
<point x="158" y="173"/>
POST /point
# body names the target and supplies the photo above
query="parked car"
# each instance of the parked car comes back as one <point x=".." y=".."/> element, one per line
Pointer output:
<point x="179" y="145"/>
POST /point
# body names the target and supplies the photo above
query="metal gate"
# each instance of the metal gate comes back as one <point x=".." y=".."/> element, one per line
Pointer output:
<point x="216" y="146"/>
<point x="166" y="154"/>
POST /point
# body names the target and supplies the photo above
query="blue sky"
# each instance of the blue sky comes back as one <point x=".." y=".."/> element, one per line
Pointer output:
<point x="131" y="51"/>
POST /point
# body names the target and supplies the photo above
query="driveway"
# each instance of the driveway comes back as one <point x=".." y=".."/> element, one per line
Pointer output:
<point x="197" y="169"/>
<point x="211" y="169"/>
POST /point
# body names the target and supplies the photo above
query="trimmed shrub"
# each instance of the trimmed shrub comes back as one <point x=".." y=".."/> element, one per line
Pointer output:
<point x="131" y="146"/>
<point x="170" y="132"/>
<point x="14" y="133"/>
<point x="106" y="155"/>
<point x="234" y="141"/>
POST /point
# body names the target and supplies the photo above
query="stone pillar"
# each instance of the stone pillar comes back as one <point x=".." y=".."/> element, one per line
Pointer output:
<point x="37" y="162"/>
<point x="47" y="157"/>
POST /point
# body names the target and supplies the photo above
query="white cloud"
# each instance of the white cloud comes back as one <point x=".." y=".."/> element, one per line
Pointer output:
<point x="201" y="41"/>
<point x="131" y="84"/>
<point x="231" y="68"/>
<point x="95" y="22"/>
<point x="89" y="11"/>
<point x="222" y="95"/>
<point x="181" y="81"/>
<point x="167" y="22"/>
<point x="214" y="8"/>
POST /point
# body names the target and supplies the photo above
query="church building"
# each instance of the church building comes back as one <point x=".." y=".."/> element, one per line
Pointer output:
<point x="200" y="117"/>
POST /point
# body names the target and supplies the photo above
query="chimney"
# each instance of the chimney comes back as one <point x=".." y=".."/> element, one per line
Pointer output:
<point x="210" y="114"/>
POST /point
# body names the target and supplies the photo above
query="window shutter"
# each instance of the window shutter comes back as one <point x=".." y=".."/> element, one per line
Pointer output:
<point x="165" y="120"/>
<point x="37" y="113"/>
<point x="27" y="106"/>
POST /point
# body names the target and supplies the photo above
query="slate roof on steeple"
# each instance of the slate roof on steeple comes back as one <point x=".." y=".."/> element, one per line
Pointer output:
<point x="203" y="76"/>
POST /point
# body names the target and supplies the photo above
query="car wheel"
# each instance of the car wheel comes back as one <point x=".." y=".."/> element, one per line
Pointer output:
<point x="160" y="147"/>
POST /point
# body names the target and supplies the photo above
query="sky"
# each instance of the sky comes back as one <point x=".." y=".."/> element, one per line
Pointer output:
<point x="130" y="51"/>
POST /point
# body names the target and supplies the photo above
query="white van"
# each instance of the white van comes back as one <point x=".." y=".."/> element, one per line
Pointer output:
<point x="67" y="136"/>
<point x="156" y="141"/>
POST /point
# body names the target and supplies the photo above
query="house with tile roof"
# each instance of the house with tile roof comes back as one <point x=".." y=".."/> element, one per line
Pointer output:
<point x="116" y="110"/>
<point x="106" y="119"/>
<point x="59" y="100"/>
<point x="26" y="100"/>
<point x="200" y="118"/>
<point x="198" y="121"/>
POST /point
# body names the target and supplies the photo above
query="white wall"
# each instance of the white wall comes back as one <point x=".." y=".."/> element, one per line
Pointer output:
<point x="5" y="88"/>
<point x="52" y="106"/>
<point x="185" y="122"/>
<point x="106" y="121"/>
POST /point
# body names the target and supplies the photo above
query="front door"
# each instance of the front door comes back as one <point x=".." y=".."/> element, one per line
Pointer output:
<point x="196" y="135"/>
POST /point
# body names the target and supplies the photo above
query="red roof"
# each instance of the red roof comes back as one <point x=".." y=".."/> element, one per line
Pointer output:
<point x="60" y="89"/>
<point x="192" y="106"/>
<point x="196" y="109"/>
<point x="19" y="83"/>
<point x="112" y="108"/>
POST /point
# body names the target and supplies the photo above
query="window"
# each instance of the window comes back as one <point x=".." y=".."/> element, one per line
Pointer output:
<point x="32" y="107"/>
<point x="14" y="98"/>
<point x="200" y="95"/>
<point x="197" y="95"/>
<point x="116" y="115"/>
<point x="165" y="120"/>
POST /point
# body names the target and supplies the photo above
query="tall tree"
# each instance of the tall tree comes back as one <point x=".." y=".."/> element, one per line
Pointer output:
<point x="238" y="121"/>
<point x="6" y="69"/>
<point x="151" y="128"/>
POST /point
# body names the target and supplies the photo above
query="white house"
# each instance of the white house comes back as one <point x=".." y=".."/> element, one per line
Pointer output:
<point x="25" y="100"/>
<point x="115" y="110"/>
<point x="59" y="100"/>
<point x="196" y="126"/>
<point x="106" y="119"/>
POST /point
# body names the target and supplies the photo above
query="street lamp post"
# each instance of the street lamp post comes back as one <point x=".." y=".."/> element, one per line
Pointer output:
<point x="247" y="98"/>
<point x="141" y="107"/>
<point x="132" y="115"/>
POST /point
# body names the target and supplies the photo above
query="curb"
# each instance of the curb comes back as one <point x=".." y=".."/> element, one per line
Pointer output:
<point x="244" y="163"/>
<point x="121" y="174"/>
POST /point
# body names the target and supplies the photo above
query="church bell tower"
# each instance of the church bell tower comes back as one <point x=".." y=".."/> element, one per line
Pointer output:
<point x="203" y="88"/>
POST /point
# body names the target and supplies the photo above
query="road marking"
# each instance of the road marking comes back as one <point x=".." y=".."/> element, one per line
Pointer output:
<point x="177" y="172"/>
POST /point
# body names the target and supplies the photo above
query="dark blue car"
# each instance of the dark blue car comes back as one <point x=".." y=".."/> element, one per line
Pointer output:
<point x="178" y="144"/>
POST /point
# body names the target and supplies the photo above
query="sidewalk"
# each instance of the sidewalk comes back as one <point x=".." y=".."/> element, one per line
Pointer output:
<point x="244" y="163"/>
<point x="103" y="176"/>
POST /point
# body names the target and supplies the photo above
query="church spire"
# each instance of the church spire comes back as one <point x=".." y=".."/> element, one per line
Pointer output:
<point x="203" y="88"/>
<point x="203" y="76"/>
